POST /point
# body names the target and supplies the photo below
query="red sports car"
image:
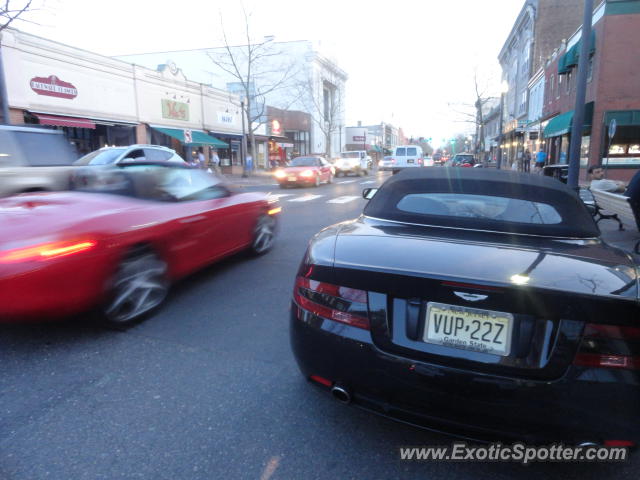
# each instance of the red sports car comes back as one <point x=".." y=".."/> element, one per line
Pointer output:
<point x="305" y="171"/>
<point x="69" y="252"/>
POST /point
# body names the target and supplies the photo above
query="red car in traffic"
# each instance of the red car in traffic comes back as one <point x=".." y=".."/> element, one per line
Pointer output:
<point x="63" y="253"/>
<point x="308" y="171"/>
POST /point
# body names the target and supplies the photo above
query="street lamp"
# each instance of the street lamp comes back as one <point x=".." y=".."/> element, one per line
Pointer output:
<point x="504" y="88"/>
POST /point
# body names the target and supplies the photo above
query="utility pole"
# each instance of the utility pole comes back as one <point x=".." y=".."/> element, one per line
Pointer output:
<point x="4" y="98"/>
<point x="581" y="93"/>
<point x="244" y="143"/>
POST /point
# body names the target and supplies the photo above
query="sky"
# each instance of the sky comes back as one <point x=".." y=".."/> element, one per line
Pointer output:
<point x="410" y="62"/>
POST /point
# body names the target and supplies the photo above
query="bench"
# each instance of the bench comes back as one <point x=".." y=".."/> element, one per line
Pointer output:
<point x="614" y="206"/>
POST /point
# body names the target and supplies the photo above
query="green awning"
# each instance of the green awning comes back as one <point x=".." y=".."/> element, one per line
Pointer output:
<point x="376" y="148"/>
<point x="572" y="57"/>
<point x="561" y="124"/>
<point x="624" y="118"/>
<point x="198" y="137"/>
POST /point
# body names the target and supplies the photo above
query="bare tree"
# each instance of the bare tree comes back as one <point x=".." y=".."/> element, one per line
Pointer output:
<point x="9" y="12"/>
<point x="258" y="68"/>
<point x="322" y="98"/>
<point x="474" y="113"/>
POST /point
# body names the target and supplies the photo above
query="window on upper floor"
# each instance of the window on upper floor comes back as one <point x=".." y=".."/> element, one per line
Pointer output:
<point x="568" y="86"/>
<point x="559" y="86"/>
<point x="552" y="85"/>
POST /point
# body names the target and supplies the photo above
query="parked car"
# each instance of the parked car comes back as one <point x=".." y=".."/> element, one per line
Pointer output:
<point x="117" y="245"/>
<point x="477" y="302"/>
<point x="407" y="156"/>
<point x="357" y="162"/>
<point x="132" y="153"/>
<point x="310" y="170"/>
<point x="463" y="160"/>
<point x="34" y="159"/>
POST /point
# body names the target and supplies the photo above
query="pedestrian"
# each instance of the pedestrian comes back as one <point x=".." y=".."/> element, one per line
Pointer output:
<point x="215" y="161"/>
<point x="201" y="159"/>
<point x="527" y="161"/>
<point x="541" y="159"/>
<point x="598" y="181"/>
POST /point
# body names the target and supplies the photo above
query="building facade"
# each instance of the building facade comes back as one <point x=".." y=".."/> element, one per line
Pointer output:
<point x="100" y="101"/>
<point x="298" y="76"/>
<point x="539" y="28"/>
<point x="613" y="93"/>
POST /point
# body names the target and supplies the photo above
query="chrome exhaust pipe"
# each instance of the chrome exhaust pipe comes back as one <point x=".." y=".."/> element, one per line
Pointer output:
<point x="589" y="444"/>
<point x="341" y="394"/>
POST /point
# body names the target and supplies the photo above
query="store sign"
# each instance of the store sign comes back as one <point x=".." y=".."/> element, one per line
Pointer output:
<point x="188" y="136"/>
<point x="359" y="138"/>
<point x="52" y="86"/>
<point x="276" y="127"/>
<point x="175" y="110"/>
<point x="226" y="118"/>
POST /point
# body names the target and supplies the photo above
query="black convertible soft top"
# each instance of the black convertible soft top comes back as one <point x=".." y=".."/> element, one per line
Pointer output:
<point x="576" y="222"/>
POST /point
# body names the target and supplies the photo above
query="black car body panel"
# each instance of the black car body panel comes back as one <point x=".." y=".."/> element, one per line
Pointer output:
<point x="554" y="288"/>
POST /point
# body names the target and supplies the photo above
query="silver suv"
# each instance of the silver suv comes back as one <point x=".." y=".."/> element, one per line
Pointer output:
<point x="34" y="159"/>
<point x="132" y="153"/>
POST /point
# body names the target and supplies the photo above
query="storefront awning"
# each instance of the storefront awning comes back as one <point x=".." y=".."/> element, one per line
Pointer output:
<point x="571" y="58"/>
<point x="561" y="125"/>
<point x="376" y="148"/>
<point x="59" y="121"/>
<point x="624" y="118"/>
<point x="198" y="137"/>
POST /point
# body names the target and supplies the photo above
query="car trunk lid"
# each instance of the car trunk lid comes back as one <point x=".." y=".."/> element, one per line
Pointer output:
<point x="523" y="281"/>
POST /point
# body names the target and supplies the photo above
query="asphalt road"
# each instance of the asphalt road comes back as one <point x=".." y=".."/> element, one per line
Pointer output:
<point x="208" y="389"/>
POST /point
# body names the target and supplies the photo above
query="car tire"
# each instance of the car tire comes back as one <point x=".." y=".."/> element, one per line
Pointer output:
<point x="330" y="180"/>
<point x="282" y="185"/>
<point x="316" y="181"/>
<point x="264" y="234"/>
<point x="138" y="286"/>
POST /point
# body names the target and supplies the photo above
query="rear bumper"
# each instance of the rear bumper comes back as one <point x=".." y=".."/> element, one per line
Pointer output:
<point x="585" y="405"/>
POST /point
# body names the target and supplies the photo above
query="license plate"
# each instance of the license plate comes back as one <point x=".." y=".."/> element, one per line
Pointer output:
<point x="468" y="328"/>
<point x="409" y="161"/>
<point x="292" y="179"/>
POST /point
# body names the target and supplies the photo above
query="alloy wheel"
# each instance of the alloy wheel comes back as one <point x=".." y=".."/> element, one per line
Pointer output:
<point x="264" y="234"/>
<point x="140" y="285"/>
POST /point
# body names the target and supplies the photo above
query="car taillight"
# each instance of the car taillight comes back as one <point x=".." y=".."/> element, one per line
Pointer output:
<point x="340" y="304"/>
<point x="393" y="161"/>
<point x="609" y="346"/>
<point x="46" y="251"/>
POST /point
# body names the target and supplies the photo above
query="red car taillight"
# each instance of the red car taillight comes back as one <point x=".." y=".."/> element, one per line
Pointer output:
<point x="341" y="304"/>
<point x="46" y="251"/>
<point x="609" y="346"/>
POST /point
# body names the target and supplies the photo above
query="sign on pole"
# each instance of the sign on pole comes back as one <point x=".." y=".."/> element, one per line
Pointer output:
<point x="188" y="136"/>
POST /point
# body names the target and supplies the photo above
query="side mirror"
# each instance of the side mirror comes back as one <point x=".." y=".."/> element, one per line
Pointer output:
<point x="368" y="193"/>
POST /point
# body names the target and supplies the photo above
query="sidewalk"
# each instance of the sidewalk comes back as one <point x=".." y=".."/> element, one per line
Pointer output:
<point x="625" y="239"/>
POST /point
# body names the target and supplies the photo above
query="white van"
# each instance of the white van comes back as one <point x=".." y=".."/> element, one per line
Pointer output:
<point x="407" y="156"/>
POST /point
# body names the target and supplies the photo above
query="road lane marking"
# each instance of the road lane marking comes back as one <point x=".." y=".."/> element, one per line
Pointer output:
<point x="368" y="182"/>
<point x="305" y="198"/>
<point x="344" y="199"/>
<point x="346" y="181"/>
<point x="278" y="196"/>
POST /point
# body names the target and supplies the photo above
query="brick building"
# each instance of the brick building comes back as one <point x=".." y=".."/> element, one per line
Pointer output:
<point x="538" y="30"/>
<point x="613" y="92"/>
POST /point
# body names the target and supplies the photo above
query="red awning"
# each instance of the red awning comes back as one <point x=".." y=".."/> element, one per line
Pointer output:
<point x="65" y="121"/>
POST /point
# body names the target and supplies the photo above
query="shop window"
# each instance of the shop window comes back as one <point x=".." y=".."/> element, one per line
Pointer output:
<point x="625" y="146"/>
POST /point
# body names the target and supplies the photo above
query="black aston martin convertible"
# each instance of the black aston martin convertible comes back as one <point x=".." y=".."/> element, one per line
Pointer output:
<point x="476" y="302"/>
